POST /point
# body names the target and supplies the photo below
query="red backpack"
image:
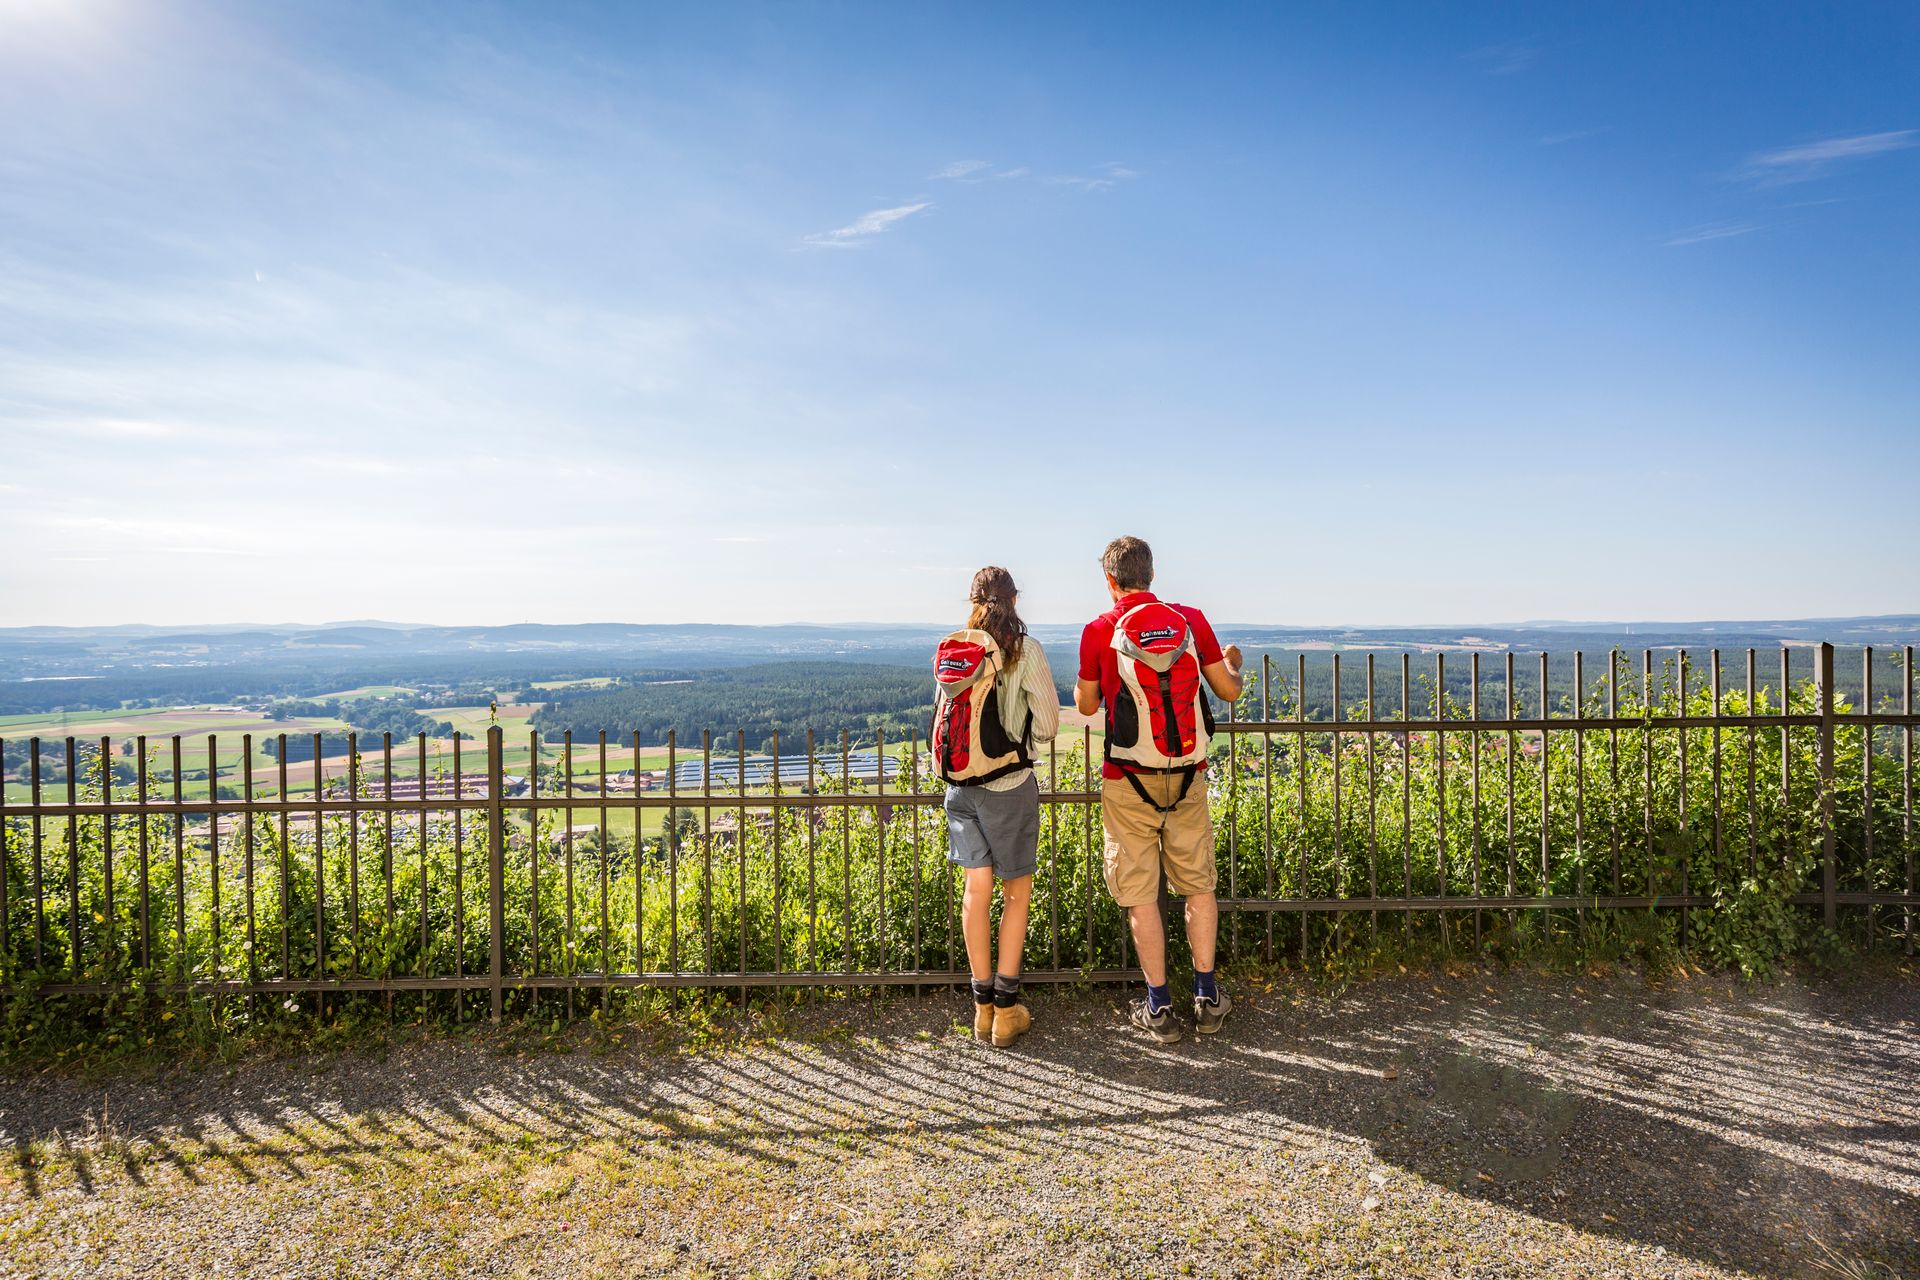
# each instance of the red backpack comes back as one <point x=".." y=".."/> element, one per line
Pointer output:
<point x="970" y="744"/>
<point x="1161" y="722"/>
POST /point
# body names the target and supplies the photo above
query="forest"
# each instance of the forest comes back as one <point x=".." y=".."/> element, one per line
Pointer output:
<point x="788" y="697"/>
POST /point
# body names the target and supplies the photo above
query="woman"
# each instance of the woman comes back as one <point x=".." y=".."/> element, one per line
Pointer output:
<point x="993" y="821"/>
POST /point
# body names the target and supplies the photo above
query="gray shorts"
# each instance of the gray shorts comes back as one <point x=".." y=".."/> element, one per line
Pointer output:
<point x="1000" y="829"/>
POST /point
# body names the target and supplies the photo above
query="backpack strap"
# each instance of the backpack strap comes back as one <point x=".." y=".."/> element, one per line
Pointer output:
<point x="1186" y="783"/>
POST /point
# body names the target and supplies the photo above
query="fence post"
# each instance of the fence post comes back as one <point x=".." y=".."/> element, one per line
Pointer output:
<point x="496" y="866"/>
<point x="1829" y="878"/>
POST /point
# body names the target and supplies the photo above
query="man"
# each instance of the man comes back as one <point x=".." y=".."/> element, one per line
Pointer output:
<point x="1144" y="661"/>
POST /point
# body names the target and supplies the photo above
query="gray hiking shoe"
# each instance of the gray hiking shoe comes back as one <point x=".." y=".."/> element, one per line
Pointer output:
<point x="1208" y="1015"/>
<point x="1161" y="1026"/>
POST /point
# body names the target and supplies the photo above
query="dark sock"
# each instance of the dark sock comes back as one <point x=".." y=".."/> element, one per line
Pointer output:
<point x="1158" y="998"/>
<point x="1006" y="991"/>
<point x="1204" y="987"/>
<point x="982" y="991"/>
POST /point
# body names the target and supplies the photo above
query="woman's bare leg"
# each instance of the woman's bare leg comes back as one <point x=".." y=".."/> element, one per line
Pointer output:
<point x="1015" y="896"/>
<point x="976" y="922"/>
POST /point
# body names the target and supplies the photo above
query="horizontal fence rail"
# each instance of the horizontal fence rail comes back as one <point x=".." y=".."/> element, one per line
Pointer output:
<point x="172" y="866"/>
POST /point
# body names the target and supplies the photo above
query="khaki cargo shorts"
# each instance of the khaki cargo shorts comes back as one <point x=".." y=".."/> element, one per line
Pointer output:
<point x="1141" y="841"/>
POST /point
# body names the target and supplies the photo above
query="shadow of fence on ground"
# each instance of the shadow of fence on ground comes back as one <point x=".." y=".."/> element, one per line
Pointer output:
<point x="1724" y="1128"/>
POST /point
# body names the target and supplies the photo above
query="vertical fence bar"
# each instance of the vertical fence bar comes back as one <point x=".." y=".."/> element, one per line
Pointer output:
<point x="1546" y="821"/>
<point x="1866" y="785"/>
<point x="73" y="862"/>
<point x="846" y="857"/>
<point x="108" y="940"/>
<point x="213" y="842"/>
<point x="779" y="899"/>
<point x="459" y="883"/>
<point x="1373" y="814"/>
<point x="1406" y="790"/>
<point x="1753" y="828"/>
<point x="286" y="855"/>
<point x="1301" y="757"/>
<point x="640" y="864"/>
<point x="1906" y="812"/>
<point x="1086" y="879"/>
<point x="1646" y="760"/>
<point x="146" y="883"/>
<point x="353" y="849"/>
<point x="246" y="816"/>
<point x="496" y="869"/>
<point x="740" y="848"/>
<point x="1339" y="826"/>
<point x="1053" y="857"/>
<point x="388" y="930"/>
<point x="1686" y="803"/>
<point x="913" y="812"/>
<point x="671" y="837"/>
<point x="1473" y="768"/>
<point x="319" y="874"/>
<point x="880" y="826"/>
<point x="39" y="858"/>
<point x="1512" y="749"/>
<point x="1087" y="947"/>
<point x="672" y="840"/>
<point x="706" y="848"/>
<point x="605" y="845"/>
<point x="1613" y="763"/>
<point x="533" y="867"/>
<point x="1718" y="794"/>
<point x="1440" y="784"/>
<point x="1829" y="875"/>
<point x="420" y="861"/>
<point x="569" y="941"/>
<point x="1233" y="828"/>
<point x="813" y="887"/>
<point x="182" y="961"/>
<point x="1580" y="785"/>
<point x="1786" y="754"/>
<point x="1266" y="792"/>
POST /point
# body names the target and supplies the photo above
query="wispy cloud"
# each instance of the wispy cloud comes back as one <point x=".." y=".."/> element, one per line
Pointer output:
<point x="960" y="169"/>
<point x="1809" y="160"/>
<point x="1101" y="179"/>
<point x="1571" y="135"/>
<point x="1510" y="57"/>
<point x="1020" y="171"/>
<point x="866" y="225"/>
<point x="1711" y="231"/>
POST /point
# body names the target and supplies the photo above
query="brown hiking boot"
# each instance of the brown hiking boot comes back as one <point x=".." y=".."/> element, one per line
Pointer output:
<point x="983" y="1023"/>
<point x="1009" y="1024"/>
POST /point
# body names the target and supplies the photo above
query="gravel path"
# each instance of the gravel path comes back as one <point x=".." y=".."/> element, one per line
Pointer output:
<point x="1471" y="1125"/>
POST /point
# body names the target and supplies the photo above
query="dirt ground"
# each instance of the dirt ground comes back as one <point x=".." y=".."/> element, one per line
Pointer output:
<point x="1473" y="1124"/>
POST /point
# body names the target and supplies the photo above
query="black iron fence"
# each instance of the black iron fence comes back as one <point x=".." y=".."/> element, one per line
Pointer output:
<point x="461" y="868"/>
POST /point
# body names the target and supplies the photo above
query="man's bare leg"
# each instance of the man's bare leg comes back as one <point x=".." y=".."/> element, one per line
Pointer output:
<point x="1150" y="942"/>
<point x="1203" y="929"/>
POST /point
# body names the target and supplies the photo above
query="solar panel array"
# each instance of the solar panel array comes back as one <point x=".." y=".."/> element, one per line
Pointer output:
<point x="758" y="771"/>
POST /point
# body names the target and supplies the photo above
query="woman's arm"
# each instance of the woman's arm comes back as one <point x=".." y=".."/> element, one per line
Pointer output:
<point x="1036" y="676"/>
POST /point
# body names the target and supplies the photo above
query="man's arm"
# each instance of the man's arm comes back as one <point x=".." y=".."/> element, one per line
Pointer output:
<point x="1223" y="677"/>
<point x="1086" y="697"/>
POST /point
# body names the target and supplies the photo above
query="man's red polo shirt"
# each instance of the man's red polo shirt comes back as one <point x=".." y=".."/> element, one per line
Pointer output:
<point x="1097" y="660"/>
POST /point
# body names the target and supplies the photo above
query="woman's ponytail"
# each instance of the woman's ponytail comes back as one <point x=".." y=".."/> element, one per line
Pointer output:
<point x="992" y="595"/>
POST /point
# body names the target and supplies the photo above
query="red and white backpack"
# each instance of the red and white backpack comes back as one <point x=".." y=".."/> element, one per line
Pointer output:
<point x="970" y="743"/>
<point x="1161" y="721"/>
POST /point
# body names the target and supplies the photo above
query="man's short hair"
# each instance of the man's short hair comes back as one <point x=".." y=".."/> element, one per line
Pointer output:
<point x="1129" y="562"/>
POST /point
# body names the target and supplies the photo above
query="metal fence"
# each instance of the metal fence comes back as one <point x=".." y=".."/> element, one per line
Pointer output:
<point x="392" y="871"/>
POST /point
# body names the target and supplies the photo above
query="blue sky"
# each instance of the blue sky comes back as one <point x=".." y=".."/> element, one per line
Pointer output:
<point x="1360" y="313"/>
